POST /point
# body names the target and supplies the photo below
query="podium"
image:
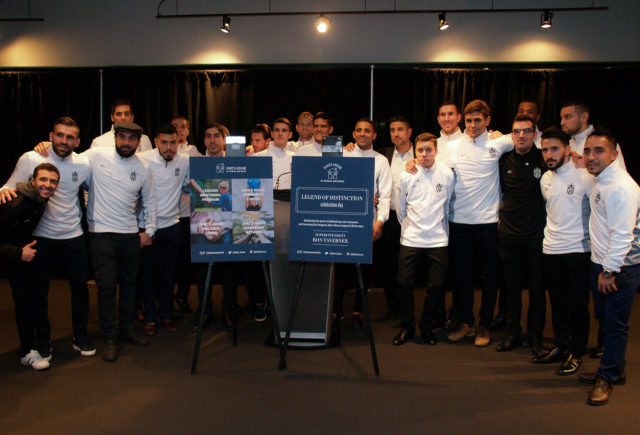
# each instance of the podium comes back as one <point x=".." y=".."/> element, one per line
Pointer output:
<point x="312" y="325"/>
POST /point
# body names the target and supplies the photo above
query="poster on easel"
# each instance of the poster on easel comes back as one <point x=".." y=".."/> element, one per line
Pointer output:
<point x="231" y="209"/>
<point x="331" y="209"/>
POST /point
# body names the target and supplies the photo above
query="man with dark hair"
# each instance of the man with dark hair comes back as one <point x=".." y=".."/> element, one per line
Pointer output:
<point x="260" y="139"/>
<point x="18" y="218"/>
<point x="474" y="219"/>
<point x="119" y="182"/>
<point x="59" y="233"/>
<point x="389" y="244"/>
<point x="520" y="231"/>
<point x="158" y="261"/>
<point x="614" y="228"/>
<point x="322" y="126"/>
<point x="422" y="204"/>
<point x="121" y="111"/>
<point x="574" y="119"/>
<point x="449" y="120"/>
<point x="364" y="134"/>
<point x="183" y="269"/>
<point x="566" y="190"/>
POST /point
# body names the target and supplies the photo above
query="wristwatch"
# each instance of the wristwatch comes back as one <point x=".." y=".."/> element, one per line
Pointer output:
<point x="606" y="273"/>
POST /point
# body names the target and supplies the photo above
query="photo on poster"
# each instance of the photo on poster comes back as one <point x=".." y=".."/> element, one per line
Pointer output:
<point x="211" y="194"/>
<point x="253" y="227"/>
<point x="207" y="227"/>
<point x="252" y="194"/>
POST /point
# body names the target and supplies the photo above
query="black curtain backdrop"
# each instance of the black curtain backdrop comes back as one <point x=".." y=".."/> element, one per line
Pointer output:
<point x="241" y="98"/>
<point x="31" y="100"/>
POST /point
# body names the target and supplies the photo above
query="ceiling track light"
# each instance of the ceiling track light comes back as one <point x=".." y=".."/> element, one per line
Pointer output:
<point x="322" y="23"/>
<point x="442" y="18"/>
<point x="226" y="24"/>
<point x="545" y="19"/>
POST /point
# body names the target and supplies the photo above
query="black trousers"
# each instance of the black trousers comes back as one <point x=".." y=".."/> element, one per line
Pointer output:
<point x="385" y="252"/>
<point x="157" y="268"/>
<point x="31" y="309"/>
<point x="473" y="245"/>
<point x="523" y="268"/>
<point x="72" y="256"/>
<point x="115" y="261"/>
<point x="409" y="260"/>
<point x="567" y="277"/>
<point x="183" y="273"/>
<point x="345" y="278"/>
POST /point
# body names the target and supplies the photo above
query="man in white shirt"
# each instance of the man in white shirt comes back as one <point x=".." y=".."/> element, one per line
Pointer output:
<point x="121" y="111"/>
<point x="322" y="126"/>
<point x="614" y="228"/>
<point x="59" y="233"/>
<point x="422" y="206"/>
<point x="304" y="127"/>
<point x="474" y="217"/>
<point x="574" y="120"/>
<point x="386" y="249"/>
<point x="566" y="190"/>
<point x="158" y="261"/>
<point x="364" y="134"/>
<point x="183" y="269"/>
<point x="119" y="182"/>
<point x="280" y="155"/>
<point x="260" y="139"/>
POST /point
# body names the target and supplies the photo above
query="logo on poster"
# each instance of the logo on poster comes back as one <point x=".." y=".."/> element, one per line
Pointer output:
<point x="220" y="168"/>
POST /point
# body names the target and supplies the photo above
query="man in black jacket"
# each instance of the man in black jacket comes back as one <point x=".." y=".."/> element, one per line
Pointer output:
<point x="18" y="219"/>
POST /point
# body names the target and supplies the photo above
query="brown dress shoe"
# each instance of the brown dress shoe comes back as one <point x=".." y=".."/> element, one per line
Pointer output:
<point x="169" y="325"/>
<point x="150" y="328"/>
<point x="600" y="393"/>
<point x="590" y="378"/>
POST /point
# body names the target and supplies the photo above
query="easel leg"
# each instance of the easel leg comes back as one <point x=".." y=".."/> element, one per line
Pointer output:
<point x="292" y="315"/>
<point x="276" y="325"/>
<point x="367" y="316"/>
<point x="203" y="309"/>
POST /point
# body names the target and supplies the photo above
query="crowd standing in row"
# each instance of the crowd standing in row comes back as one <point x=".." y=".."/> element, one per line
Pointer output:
<point x="557" y="208"/>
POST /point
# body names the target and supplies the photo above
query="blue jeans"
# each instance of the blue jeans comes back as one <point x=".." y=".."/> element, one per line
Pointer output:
<point x="612" y="311"/>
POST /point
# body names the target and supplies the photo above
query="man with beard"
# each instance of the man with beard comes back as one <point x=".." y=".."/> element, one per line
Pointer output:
<point x="566" y="190"/>
<point x="119" y="179"/>
<point x="59" y="234"/>
<point x="158" y="261"/>
<point x="18" y="219"/>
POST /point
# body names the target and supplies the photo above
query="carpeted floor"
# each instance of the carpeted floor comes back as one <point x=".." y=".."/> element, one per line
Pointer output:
<point x="449" y="388"/>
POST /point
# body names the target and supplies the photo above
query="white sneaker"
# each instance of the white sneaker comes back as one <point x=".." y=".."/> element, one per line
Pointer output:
<point x="34" y="360"/>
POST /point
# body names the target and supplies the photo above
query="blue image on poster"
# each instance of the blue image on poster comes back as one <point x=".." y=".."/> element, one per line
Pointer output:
<point x="231" y="209"/>
<point x="331" y="209"/>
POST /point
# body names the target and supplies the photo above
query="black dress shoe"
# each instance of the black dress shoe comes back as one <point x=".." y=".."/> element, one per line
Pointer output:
<point x="569" y="366"/>
<point x="227" y="322"/>
<point x="597" y="352"/>
<point x="510" y="343"/>
<point x="429" y="337"/>
<point x="590" y="378"/>
<point x="131" y="336"/>
<point x="404" y="336"/>
<point x="110" y="351"/>
<point x="551" y="356"/>
<point x="499" y="322"/>
<point x="537" y="349"/>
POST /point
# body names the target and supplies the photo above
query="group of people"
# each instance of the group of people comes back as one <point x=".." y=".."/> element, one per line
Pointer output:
<point x="532" y="209"/>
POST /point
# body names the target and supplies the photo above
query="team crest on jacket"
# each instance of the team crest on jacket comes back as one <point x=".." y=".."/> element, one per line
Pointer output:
<point x="74" y="176"/>
<point x="537" y="173"/>
<point x="438" y="187"/>
<point x="177" y="172"/>
<point x="133" y="176"/>
<point x="493" y="153"/>
<point x="570" y="189"/>
<point x="597" y="198"/>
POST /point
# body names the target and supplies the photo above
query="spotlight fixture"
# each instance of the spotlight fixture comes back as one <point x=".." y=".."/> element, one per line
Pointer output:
<point x="443" y="21"/>
<point x="322" y="23"/>
<point x="226" y="25"/>
<point x="545" y="19"/>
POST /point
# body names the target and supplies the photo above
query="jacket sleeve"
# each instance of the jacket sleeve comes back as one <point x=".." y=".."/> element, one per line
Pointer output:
<point x="622" y="210"/>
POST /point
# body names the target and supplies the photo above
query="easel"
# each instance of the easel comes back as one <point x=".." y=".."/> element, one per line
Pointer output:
<point x="203" y="305"/>
<point x="284" y="344"/>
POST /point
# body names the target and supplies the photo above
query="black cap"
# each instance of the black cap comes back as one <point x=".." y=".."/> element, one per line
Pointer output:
<point x="128" y="126"/>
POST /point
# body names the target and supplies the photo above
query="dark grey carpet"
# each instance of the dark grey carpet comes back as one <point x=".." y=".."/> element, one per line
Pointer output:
<point x="449" y="388"/>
